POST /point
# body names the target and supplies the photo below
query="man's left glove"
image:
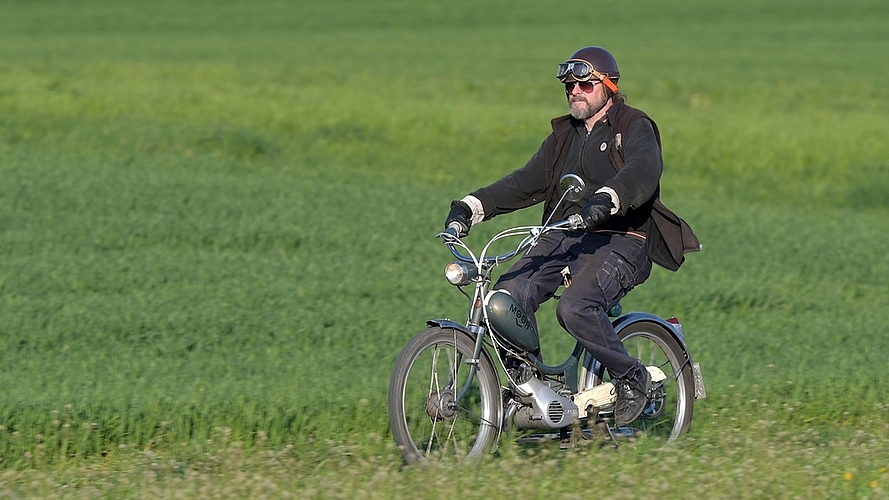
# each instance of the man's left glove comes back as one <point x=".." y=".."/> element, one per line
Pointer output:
<point x="597" y="210"/>
<point x="460" y="215"/>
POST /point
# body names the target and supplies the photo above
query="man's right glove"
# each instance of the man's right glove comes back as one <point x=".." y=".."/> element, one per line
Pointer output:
<point x="597" y="210"/>
<point x="460" y="215"/>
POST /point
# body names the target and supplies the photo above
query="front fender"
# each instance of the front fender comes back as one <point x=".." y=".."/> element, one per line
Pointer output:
<point x="636" y="317"/>
<point x="446" y="323"/>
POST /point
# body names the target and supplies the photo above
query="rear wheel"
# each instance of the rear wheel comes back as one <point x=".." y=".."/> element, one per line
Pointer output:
<point x="434" y="413"/>
<point x="671" y="405"/>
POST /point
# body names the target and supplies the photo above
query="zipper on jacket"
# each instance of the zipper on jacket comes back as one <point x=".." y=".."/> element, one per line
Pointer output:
<point x="586" y="140"/>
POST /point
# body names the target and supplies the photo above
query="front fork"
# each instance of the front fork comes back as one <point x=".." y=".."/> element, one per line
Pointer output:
<point x="473" y="329"/>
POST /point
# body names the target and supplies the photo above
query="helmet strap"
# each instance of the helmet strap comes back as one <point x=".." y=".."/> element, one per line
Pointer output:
<point x="611" y="85"/>
<point x="604" y="79"/>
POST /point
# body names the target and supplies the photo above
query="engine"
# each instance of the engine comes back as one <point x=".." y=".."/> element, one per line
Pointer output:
<point x="546" y="408"/>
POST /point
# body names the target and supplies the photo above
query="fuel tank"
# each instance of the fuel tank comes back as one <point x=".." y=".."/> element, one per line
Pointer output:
<point x="510" y="321"/>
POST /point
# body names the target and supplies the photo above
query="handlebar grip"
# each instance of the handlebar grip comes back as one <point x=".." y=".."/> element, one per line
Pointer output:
<point x="455" y="229"/>
<point x="575" y="221"/>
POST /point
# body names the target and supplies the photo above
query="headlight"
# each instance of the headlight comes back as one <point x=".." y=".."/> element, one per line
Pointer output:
<point x="460" y="273"/>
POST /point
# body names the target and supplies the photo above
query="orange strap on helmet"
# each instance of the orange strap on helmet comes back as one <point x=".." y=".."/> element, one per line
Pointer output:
<point x="611" y="85"/>
<point x="604" y="79"/>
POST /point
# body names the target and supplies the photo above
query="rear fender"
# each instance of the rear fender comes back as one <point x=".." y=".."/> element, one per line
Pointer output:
<point x="592" y="368"/>
<point x="637" y="317"/>
<point x="678" y="334"/>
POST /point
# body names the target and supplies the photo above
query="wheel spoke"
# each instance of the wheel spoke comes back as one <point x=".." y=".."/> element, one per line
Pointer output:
<point x="429" y="423"/>
<point x="669" y="410"/>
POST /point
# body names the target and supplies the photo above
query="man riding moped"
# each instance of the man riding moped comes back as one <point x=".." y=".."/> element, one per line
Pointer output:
<point x="616" y="150"/>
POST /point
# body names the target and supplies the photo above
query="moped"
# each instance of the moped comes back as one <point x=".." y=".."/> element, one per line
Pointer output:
<point x="456" y="388"/>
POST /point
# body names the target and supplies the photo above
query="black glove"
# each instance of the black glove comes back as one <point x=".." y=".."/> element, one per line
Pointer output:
<point x="462" y="215"/>
<point x="597" y="210"/>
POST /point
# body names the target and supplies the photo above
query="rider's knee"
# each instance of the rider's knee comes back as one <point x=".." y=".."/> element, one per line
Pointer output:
<point x="572" y="310"/>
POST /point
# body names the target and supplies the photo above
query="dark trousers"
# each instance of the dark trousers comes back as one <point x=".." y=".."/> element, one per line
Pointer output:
<point x="604" y="268"/>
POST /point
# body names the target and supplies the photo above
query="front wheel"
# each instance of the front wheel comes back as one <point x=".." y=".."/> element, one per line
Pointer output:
<point x="671" y="402"/>
<point x="438" y="409"/>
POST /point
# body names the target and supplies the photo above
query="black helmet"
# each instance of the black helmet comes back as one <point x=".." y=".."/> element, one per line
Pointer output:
<point x="589" y="63"/>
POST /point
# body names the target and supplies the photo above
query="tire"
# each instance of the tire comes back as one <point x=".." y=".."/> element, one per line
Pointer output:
<point x="670" y="410"/>
<point x="427" y="423"/>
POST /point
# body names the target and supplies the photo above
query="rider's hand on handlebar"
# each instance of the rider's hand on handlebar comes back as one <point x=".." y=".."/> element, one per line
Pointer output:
<point x="597" y="210"/>
<point x="459" y="218"/>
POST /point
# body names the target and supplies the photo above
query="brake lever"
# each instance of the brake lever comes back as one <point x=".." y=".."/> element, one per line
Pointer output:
<point x="449" y="235"/>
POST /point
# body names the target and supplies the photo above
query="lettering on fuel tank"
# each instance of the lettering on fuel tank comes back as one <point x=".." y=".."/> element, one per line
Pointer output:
<point x="521" y="320"/>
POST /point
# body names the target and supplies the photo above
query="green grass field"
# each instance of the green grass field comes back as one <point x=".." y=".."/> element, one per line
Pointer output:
<point x="217" y="220"/>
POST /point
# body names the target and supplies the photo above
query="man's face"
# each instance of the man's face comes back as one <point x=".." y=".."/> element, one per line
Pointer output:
<point x="583" y="105"/>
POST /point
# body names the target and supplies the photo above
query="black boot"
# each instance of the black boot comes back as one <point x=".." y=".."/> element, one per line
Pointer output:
<point x="632" y="397"/>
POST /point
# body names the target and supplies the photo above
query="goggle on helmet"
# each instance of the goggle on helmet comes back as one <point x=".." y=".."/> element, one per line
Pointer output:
<point x="583" y="71"/>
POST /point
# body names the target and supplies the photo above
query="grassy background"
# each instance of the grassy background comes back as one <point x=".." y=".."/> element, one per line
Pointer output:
<point x="216" y="228"/>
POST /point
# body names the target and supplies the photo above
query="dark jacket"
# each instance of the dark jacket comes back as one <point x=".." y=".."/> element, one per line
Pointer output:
<point x="630" y="163"/>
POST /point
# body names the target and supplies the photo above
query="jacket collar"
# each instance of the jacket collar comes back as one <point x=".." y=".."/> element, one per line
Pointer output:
<point x="566" y="123"/>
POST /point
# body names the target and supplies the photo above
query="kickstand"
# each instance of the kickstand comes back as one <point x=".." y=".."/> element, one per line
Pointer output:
<point x="564" y="439"/>
<point x="600" y="427"/>
<point x="611" y="434"/>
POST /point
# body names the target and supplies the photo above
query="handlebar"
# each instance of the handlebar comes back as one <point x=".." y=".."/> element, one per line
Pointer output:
<point x="451" y="238"/>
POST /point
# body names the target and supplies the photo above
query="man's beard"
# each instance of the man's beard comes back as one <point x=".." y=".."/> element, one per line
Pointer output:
<point x="581" y="109"/>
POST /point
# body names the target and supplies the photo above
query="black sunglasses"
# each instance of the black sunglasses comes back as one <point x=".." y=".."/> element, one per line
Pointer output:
<point x="585" y="87"/>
